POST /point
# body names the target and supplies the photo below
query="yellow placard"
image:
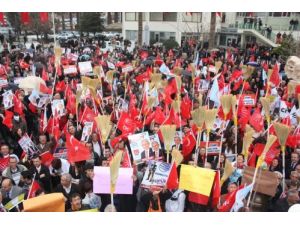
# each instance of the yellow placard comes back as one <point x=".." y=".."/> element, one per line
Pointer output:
<point x="54" y="202"/>
<point x="196" y="179"/>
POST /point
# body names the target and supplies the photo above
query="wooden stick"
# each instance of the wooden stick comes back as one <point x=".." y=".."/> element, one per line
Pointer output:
<point x="283" y="167"/>
<point x="206" y="147"/>
<point x="112" y="200"/>
<point x="253" y="182"/>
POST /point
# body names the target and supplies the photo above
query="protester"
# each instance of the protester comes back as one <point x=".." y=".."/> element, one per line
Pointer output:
<point x="128" y="97"/>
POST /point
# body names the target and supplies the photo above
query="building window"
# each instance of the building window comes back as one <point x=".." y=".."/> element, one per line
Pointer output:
<point x="165" y="16"/>
<point x="241" y="14"/>
<point x="131" y="34"/>
<point x="156" y="16"/>
<point x="192" y="17"/>
<point x="280" y="14"/>
<point x="133" y="16"/>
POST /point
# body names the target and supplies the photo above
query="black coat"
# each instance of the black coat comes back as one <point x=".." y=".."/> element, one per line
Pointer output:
<point x="74" y="189"/>
<point x="45" y="181"/>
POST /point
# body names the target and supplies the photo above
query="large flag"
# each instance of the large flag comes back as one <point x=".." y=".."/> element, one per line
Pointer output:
<point x="7" y="121"/>
<point x="126" y="124"/>
<point x="240" y="196"/>
<point x="172" y="182"/>
<point x="214" y="94"/>
<point x="256" y="121"/>
<point x="34" y="187"/>
<point x="88" y="115"/>
<point x="76" y="150"/>
<point x="1" y="17"/>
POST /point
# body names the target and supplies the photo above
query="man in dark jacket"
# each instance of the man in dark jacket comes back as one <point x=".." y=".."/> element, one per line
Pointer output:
<point x="283" y="205"/>
<point x="42" y="173"/>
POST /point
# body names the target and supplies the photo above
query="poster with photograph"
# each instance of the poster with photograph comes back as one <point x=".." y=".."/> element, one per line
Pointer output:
<point x="8" y="98"/>
<point x="71" y="69"/>
<point x="157" y="174"/>
<point x="58" y="107"/>
<point x="85" y="68"/>
<point x="28" y="146"/>
<point x="34" y="98"/>
<point x="213" y="147"/>
<point x="61" y="153"/>
<point x="156" y="146"/>
<point x="43" y="101"/>
<point x="177" y="142"/>
<point x="87" y="131"/>
<point x="140" y="147"/>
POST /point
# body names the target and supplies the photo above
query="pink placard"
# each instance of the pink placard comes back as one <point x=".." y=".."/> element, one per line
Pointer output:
<point x="102" y="180"/>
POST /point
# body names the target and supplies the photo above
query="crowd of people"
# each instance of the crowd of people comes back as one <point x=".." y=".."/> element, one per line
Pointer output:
<point x="190" y="75"/>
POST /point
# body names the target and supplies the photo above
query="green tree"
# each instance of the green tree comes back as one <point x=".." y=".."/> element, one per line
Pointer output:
<point x="90" y="22"/>
<point x="170" y="44"/>
<point x="287" y="48"/>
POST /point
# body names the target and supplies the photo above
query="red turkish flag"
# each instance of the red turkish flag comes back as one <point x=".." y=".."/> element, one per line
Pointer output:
<point x="186" y="107"/>
<point x="88" y="115"/>
<point x="216" y="194"/>
<point x="275" y="78"/>
<point x="230" y="200"/>
<point x="235" y="75"/>
<point x="25" y="18"/>
<point x="44" y="17"/>
<point x="258" y="148"/>
<point x="76" y="150"/>
<point x="71" y="104"/>
<point x="172" y="182"/>
<point x="188" y="144"/>
<point x="44" y="89"/>
<point x="47" y="158"/>
<point x="18" y="105"/>
<point x="45" y="75"/>
<point x="33" y="188"/>
<point x="60" y="86"/>
<point x="3" y="163"/>
<point x="7" y="121"/>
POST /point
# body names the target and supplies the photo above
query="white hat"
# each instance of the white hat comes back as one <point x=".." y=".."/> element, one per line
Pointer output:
<point x="294" y="208"/>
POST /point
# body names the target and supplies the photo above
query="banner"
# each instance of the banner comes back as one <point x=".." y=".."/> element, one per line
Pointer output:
<point x="70" y="69"/>
<point x="138" y="144"/>
<point x="85" y="67"/>
<point x="58" y="107"/>
<point x="203" y="85"/>
<point x="28" y="146"/>
<point x="248" y="99"/>
<point x="110" y="65"/>
<point x="3" y="83"/>
<point x="61" y="153"/>
<point x="54" y="202"/>
<point x="127" y="69"/>
<point x="101" y="181"/>
<point x="265" y="183"/>
<point x="196" y="179"/>
<point x="213" y="147"/>
<point x="8" y="97"/>
<point x="157" y="174"/>
<point x="87" y="131"/>
<point x="17" y="80"/>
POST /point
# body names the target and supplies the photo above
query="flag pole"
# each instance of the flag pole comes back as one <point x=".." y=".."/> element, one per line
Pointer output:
<point x="30" y="189"/>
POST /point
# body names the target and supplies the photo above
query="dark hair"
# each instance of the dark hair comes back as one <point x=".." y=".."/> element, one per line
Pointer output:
<point x="36" y="156"/>
<point x="88" y="166"/>
<point x="87" y="186"/>
<point x="27" y="174"/>
<point x="56" y="163"/>
<point x="75" y="195"/>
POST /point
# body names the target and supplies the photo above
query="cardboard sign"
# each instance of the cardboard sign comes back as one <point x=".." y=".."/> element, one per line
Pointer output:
<point x="85" y="67"/>
<point x="3" y="83"/>
<point x="138" y="144"/>
<point x="61" y="153"/>
<point x="196" y="179"/>
<point x="101" y="181"/>
<point x="213" y="148"/>
<point x="127" y="69"/>
<point x="265" y="183"/>
<point x="34" y="98"/>
<point x="72" y="69"/>
<point x="8" y="97"/>
<point x="28" y="146"/>
<point x="157" y="174"/>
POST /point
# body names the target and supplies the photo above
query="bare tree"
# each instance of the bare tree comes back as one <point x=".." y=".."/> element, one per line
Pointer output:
<point x="71" y="21"/>
<point x="212" y="32"/>
<point x="63" y="20"/>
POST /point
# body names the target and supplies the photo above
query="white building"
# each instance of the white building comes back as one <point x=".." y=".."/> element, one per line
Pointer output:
<point x="160" y="26"/>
